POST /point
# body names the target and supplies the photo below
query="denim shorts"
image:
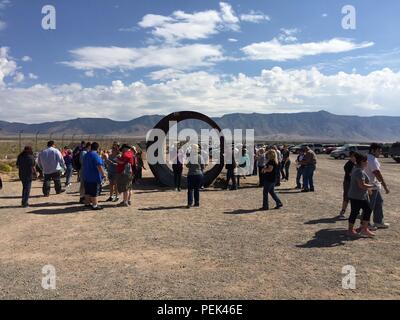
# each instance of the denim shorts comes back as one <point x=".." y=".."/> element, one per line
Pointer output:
<point x="92" y="189"/>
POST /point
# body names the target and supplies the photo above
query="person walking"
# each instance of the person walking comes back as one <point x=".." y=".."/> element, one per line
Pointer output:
<point x="358" y="195"/>
<point x="376" y="178"/>
<point x="125" y="172"/>
<point x="310" y="162"/>
<point x="51" y="162"/>
<point x="348" y="168"/>
<point x="68" y="160"/>
<point x="270" y="171"/>
<point x="26" y="171"/>
<point x="195" y="176"/>
<point x="93" y="176"/>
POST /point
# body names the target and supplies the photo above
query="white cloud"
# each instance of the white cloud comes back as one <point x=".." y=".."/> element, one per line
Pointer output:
<point x="4" y="4"/>
<point x="19" y="77"/>
<point x="26" y="59"/>
<point x="232" y="40"/>
<point x="8" y="66"/>
<point x="33" y="76"/>
<point x="324" y="15"/>
<point x="254" y="17"/>
<point x="288" y="35"/>
<point x="277" y="51"/>
<point x="191" y="26"/>
<point x="116" y="58"/>
<point x="89" y="73"/>
<point x="274" y="90"/>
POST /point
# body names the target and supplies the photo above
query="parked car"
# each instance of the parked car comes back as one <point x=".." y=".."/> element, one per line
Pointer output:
<point x="395" y="152"/>
<point x="329" y="148"/>
<point x="317" y="148"/>
<point x="344" y="152"/>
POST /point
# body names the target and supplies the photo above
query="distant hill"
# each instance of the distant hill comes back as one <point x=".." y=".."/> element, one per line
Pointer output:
<point x="312" y="126"/>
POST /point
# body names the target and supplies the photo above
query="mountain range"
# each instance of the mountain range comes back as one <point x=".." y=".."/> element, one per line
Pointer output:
<point x="304" y="126"/>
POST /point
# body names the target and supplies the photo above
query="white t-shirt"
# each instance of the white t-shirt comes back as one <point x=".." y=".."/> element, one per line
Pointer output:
<point x="373" y="165"/>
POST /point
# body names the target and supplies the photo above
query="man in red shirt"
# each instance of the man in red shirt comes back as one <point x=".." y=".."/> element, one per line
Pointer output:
<point x="125" y="165"/>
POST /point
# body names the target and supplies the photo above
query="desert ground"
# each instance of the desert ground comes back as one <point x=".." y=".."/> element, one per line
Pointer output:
<point x="226" y="249"/>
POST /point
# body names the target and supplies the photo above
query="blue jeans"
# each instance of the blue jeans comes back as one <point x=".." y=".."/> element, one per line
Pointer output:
<point x="68" y="174"/>
<point x="300" y="172"/>
<point x="230" y="175"/>
<point x="308" y="177"/>
<point x="377" y="206"/>
<point x="269" y="188"/>
<point x="26" y="191"/>
<point x="194" y="183"/>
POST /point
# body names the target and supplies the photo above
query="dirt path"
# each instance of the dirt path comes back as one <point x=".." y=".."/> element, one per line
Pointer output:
<point x="225" y="249"/>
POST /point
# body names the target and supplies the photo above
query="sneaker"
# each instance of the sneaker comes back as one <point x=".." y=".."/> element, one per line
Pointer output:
<point x="278" y="206"/>
<point x="367" y="233"/>
<point x="97" y="208"/>
<point x="87" y="206"/>
<point x="188" y="206"/>
<point x="196" y="205"/>
<point x="382" y="225"/>
<point x="372" y="227"/>
<point x="124" y="204"/>
<point x="61" y="191"/>
<point x="25" y="205"/>
<point x="110" y="199"/>
<point x="264" y="209"/>
<point x="82" y="200"/>
<point x="130" y="202"/>
<point x="305" y="190"/>
<point x="115" y="199"/>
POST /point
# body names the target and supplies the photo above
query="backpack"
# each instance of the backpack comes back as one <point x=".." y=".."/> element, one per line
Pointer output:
<point x="76" y="163"/>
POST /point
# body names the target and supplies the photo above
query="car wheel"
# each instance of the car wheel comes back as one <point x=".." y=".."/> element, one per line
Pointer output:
<point x="342" y="157"/>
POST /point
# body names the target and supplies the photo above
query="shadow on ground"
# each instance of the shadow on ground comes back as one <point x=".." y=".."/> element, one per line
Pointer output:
<point x="328" y="238"/>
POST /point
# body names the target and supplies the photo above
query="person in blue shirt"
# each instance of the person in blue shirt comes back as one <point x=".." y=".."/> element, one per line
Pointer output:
<point x="93" y="176"/>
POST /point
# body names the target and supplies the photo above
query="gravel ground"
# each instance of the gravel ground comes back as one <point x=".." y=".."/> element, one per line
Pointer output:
<point x="226" y="249"/>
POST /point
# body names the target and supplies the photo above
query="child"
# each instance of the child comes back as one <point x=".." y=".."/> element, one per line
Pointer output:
<point x="358" y="195"/>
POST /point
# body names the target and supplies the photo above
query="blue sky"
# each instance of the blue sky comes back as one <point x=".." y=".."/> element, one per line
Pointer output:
<point x="122" y="59"/>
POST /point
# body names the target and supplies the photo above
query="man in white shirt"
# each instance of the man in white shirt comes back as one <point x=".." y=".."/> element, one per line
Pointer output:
<point x="374" y="173"/>
<point x="51" y="162"/>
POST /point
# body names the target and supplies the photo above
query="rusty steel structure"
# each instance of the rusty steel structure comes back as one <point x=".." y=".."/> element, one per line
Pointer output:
<point x="162" y="172"/>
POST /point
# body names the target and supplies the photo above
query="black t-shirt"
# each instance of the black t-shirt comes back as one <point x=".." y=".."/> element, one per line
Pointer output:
<point x="285" y="155"/>
<point x="25" y="163"/>
<point x="348" y="167"/>
<point x="271" y="176"/>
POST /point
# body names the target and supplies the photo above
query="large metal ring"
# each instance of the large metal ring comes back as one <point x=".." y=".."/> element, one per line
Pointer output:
<point x="162" y="172"/>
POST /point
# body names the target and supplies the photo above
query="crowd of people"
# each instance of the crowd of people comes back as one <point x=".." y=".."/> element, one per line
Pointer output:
<point x="122" y="165"/>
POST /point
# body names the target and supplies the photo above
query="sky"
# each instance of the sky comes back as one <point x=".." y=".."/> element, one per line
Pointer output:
<point x="121" y="59"/>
